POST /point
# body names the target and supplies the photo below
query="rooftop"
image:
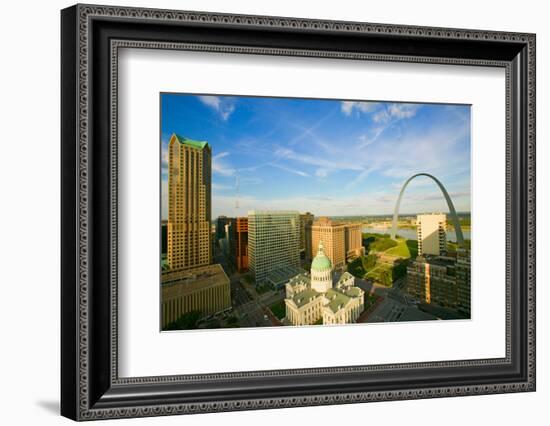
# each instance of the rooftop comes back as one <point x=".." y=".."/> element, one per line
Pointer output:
<point x="272" y="212"/>
<point x="353" y="292"/>
<point x="183" y="282"/>
<point x="336" y="299"/>
<point x="302" y="278"/>
<point x="345" y="276"/>
<point x="305" y="297"/>
<point x="321" y="262"/>
<point x="190" y="142"/>
<point x="436" y="260"/>
<point x="282" y="275"/>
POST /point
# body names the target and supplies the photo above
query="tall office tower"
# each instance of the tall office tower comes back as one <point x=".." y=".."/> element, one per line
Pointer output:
<point x="431" y="234"/>
<point x="354" y="241"/>
<point x="333" y="237"/>
<point x="238" y="243"/>
<point x="189" y="203"/>
<point x="273" y="242"/>
<point x="463" y="280"/>
<point x="432" y="280"/>
<point x="306" y="219"/>
<point x="220" y="227"/>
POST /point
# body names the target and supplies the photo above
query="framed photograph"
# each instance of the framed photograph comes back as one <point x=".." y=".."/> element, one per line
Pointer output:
<point x="263" y="212"/>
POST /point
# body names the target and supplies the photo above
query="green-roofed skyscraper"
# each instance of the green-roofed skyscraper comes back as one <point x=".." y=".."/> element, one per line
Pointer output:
<point x="189" y="203"/>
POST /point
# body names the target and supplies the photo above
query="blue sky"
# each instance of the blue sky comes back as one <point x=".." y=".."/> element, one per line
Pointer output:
<point x="329" y="157"/>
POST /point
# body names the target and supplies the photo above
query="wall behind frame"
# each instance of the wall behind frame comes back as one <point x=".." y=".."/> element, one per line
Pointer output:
<point x="30" y="228"/>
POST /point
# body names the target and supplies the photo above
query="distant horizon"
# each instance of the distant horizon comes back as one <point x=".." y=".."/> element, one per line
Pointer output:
<point x="358" y="215"/>
<point x="362" y="215"/>
<point x="330" y="157"/>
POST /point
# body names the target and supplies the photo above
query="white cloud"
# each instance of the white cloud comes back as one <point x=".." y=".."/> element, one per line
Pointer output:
<point x="220" y="155"/>
<point x="348" y="107"/>
<point x="403" y="110"/>
<point x="220" y="166"/>
<point x="289" y="169"/>
<point x="164" y="160"/>
<point x="220" y="187"/>
<point x="381" y="116"/>
<point x="321" y="173"/>
<point x="224" y="107"/>
<point x="394" y="112"/>
<point x="360" y="177"/>
<point x="437" y="152"/>
<point x="369" y="202"/>
<point x="212" y="101"/>
<point x="324" y="161"/>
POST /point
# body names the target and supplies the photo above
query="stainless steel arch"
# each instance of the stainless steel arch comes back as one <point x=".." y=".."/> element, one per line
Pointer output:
<point x="452" y="211"/>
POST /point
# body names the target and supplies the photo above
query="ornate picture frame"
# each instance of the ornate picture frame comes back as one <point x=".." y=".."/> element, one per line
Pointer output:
<point x="91" y="37"/>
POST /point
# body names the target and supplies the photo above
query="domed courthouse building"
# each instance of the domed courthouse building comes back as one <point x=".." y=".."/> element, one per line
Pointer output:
<point x="315" y="299"/>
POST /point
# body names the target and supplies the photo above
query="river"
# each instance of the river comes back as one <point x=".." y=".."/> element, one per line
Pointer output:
<point x="410" y="234"/>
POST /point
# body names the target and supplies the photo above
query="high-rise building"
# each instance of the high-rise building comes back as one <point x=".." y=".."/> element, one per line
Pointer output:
<point x="306" y="219"/>
<point x="189" y="203"/>
<point x="221" y="223"/>
<point x="273" y="242"/>
<point x="432" y="279"/>
<point x="332" y="235"/>
<point x="238" y="243"/>
<point x="431" y="230"/>
<point x="354" y="241"/>
<point x="463" y="280"/>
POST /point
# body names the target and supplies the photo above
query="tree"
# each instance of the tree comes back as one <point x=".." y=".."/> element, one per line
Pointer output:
<point x="385" y="278"/>
<point x="369" y="261"/>
<point x="399" y="270"/>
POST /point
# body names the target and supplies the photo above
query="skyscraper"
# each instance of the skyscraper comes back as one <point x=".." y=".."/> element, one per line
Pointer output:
<point x="189" y="203"/>
<point x="431" y="234"/>
<point x="332" y="235"/>
<point x="306" y="219"/>
<point x="463" y="280"/>
<point x="354" y="241"/>
<point x="273" y="242"/>
<point x="221" y="223"/>
<point x="238" y="243"/>
<point x="432" y="279"/>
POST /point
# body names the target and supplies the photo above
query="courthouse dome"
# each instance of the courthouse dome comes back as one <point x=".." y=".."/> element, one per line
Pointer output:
<point x="321" y="262"/>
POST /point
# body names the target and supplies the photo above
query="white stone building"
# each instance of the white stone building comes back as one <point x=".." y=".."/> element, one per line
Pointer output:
<point x="315" y="299"/>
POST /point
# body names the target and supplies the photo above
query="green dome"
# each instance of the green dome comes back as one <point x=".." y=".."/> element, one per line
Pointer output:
<point x="321" y="262"/>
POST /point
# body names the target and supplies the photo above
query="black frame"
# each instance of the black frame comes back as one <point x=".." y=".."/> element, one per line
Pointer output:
<point x="90" y="386"/>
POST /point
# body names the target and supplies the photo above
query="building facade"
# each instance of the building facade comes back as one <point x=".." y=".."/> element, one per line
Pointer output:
<point x="306" y="220"/>
<point x="205" y="289"/>
<point x="463" y="280"/>
<point x="221" y="227"/>
<point x="432" y="279"/>
<point x="333" y="236"/>
<point x="315" y="299"/>
<point x="238" y="243"/>
<point x="342" y="241"/>
<point x="431" y="230"/>
<point x="273" y="242"/>
<point x="189" y="203"/>
<point x="354" y="241"/>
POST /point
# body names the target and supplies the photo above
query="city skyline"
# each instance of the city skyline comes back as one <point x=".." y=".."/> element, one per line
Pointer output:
<point x="292" y="153"/>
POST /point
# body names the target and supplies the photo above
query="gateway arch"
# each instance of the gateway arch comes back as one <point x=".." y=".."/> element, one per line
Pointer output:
<point x="452" y="211"/>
